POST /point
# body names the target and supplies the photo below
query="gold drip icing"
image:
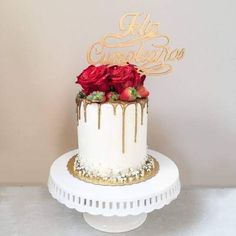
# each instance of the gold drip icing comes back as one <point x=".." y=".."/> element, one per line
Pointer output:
<point x="123" y="105"/>
<point x="142" y="104"/>
<point x="99" y="116"/>
<point x="77" y="115"/>
<point x="78" y="110"/>
<point x="147" y="174"/>
<point x="85" y="104"/>
<point x="136" y="122"/>
<point x="141" y="115"/>
<point x="114" y="105"/>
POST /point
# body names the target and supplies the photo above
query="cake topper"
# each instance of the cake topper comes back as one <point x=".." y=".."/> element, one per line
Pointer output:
<point x="140" y="42"/>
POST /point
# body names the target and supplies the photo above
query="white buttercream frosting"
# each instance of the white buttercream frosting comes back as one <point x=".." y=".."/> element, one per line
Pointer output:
<point x="100" y="150"/>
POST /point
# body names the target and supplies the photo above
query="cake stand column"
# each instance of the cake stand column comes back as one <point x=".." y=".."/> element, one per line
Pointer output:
<point x="115" y="224"/>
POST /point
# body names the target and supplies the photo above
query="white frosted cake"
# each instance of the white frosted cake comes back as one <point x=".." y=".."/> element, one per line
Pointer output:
<point x="112" y="106"/>
<point x="112" y="124"/>
<point x="113" y="138"/>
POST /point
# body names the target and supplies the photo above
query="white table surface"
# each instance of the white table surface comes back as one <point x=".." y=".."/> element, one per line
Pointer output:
<point x="27" y="211"/>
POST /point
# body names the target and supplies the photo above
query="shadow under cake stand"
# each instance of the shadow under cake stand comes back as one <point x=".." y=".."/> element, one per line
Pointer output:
<point x="114" y="208"/>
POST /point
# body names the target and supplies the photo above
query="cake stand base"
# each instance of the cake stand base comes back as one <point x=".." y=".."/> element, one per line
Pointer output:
<point x="114" y="209"/>
<point x="115" y="224"/>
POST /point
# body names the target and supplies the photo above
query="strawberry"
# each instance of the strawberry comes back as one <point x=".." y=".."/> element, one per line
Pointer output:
<point x="142" y="92"/>
<point x="112" y="96"/>
<point x="97" y="96"/>
<point x="129" y="94"/>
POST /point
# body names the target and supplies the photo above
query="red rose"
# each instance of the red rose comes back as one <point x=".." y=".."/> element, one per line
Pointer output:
<point x="94" y="79"/>
<point x="125" y="76"/>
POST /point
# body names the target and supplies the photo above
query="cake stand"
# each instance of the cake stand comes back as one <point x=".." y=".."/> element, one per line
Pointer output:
<point x="114" y="208"/>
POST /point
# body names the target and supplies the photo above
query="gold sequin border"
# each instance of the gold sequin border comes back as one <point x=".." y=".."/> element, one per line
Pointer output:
<point x="112" y="182"/>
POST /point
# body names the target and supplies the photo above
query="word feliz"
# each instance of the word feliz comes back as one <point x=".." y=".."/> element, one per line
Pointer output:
<point x="138" y="42"/>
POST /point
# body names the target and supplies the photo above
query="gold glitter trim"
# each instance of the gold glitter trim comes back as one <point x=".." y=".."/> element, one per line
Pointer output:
<point x="111" y="182"/>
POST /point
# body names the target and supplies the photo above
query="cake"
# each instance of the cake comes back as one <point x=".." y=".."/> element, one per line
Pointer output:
<point x="112" y="106"/>
<point x="112" y="115"/>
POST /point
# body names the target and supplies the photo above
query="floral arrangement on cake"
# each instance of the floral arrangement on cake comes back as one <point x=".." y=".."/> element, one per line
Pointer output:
<point x="106" y="83"/>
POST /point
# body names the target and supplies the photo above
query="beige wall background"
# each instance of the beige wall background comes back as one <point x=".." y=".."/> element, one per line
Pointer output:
<point x="192" y="111"/>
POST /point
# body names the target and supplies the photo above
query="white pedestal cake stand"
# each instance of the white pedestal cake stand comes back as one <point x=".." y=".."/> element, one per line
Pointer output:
<point x="115" y="208"/>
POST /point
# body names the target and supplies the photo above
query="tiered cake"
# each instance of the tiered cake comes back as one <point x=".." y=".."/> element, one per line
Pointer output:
<point x="112" y="112"/>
